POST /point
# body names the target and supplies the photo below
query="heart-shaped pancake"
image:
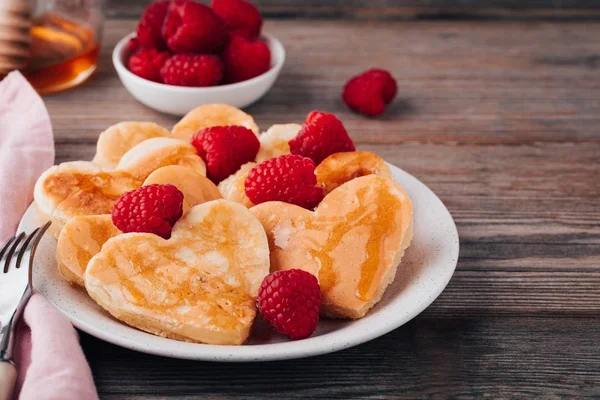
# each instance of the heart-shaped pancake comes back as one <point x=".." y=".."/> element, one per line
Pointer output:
<point x="340" y="168"/>
<point x="234" y="189"/>
<point x="83" y="236"/>
<point x="200" y="285"/>
<point x="85" y="188"/>
<point x="210" y="115"/>
<point x="196" y="188"/>
<point x="275" y="141"/>
<point x="78" y="188"/>
<point x="118" y="139"/>
<point x="352" y="242"/>
<point x="151" y="154"/>
<point x="81" y="239"/>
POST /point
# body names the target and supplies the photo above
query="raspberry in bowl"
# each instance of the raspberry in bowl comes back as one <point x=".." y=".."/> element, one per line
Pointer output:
<point x="186" y="54"/>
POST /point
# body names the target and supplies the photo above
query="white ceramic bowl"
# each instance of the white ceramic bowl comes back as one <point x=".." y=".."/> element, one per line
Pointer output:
<point x="178" y="100"/>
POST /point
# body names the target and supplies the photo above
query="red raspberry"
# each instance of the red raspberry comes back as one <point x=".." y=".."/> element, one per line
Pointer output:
<point x="152" y="209"/>
<point x="225" y="149"/>
<point x="192" y="70"/>
<point x="288" y="178"/>
<point x="241" y="17"/>
<point x="290" y="301"/>
<point x="192" y="27"/>
<point x="322" y="135"/>
<point x="132" y="46"/>
<point x="370" y="92"/>
<point x="150" y="25"/>
<point x="244" y="59"/>
<point x="148" y="63"/>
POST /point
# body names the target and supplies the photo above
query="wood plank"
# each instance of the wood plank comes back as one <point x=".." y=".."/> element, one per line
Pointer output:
<point x="399" y="9"/>
<point x="426" y="358"/>
<point x="515" y="293"/>
<point x="487" y="83"/>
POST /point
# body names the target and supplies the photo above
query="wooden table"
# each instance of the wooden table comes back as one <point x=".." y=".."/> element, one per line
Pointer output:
<point x="502" y="120"/>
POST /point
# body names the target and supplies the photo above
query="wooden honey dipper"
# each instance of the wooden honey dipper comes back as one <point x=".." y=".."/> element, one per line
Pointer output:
<point x="15" y="42"/>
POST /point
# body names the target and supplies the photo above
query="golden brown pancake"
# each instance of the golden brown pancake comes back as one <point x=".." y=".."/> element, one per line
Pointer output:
<point x="196" y="188"/>
<point x="117" y="140"/>
<point x="340" y="168"/>
<point x="80" y="240"/>
<point x="233" y="188"/>
<point x="210" y="115"/>
<point x="275" y="141"/>
<point x="200" y="285"/>
<point x="79" y="188"/>
<point x="152" y="154"/>
<point x="352" y="242"/>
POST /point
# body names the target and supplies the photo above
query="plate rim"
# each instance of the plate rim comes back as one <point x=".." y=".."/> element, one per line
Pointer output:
<point x="312" y="346"/>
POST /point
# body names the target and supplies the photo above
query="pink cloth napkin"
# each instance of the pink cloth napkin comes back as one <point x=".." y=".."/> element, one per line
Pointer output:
<point x="49" y="358"/>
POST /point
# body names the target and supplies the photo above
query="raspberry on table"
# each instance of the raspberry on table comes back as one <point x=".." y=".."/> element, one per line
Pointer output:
<point x="192" y="70"/>
<point x="321" y="135"/>
<point x="149" y="28"/>
<point x="225" y="149"/>
<point x="191" y="27"/>
<point x="290" y="301"/>
<point x="151" y="209"/>
<point x="288" y="178"/>
<point x="148" y="63"/>
<point x="370" y="92"/>
<point x="241" y="17"/>
<point x="245" y="59"/>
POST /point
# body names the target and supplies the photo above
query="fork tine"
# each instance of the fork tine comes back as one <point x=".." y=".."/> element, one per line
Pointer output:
<point x="11" y="251"/>
<point x="32" y="247"/>
<point x="24" y="247"/>
<point x="6" y="247"/>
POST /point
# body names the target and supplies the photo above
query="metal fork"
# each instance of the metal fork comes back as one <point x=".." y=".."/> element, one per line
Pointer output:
<point x="18" y="248"/>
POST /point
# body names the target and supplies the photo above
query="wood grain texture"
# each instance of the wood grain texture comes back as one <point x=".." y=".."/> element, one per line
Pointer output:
<point x="400" y="9"/>
<point x="458" y="358"/>
<point x="502" y="121"/>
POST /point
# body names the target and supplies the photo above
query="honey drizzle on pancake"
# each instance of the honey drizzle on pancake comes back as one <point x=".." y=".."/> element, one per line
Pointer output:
<point x="220" y="301"/>
<point x="90" y="183"/>
<point x="93" y="193"/>
<point x="381" y="225"/>
<point x="98" y="233"/>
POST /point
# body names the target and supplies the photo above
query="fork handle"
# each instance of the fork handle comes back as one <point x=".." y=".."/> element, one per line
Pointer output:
<point x="8" y="378"/>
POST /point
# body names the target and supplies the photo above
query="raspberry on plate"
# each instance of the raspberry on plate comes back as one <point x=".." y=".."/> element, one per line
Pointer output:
<point x="241" y="17"/>
<point x="192" y="27"/>
<point x="225" y="149"/>
<point x="148" y="64"/>
<point x="149" y="28"/>
<point x="322" y="135"/>
<point x="290" y="301"/>
<point x="245" y="59"/>
<point x="288" y="178"/>
<point x="192" y="70"/>
<point x="151" y="209"/>
<point x="370" y="92"/>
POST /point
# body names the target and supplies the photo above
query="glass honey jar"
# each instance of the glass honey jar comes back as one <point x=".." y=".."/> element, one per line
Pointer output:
<point x="61" y="45"/>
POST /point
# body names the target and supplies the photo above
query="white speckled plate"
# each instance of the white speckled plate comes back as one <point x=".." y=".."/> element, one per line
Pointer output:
<point x="425" y="271"/>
